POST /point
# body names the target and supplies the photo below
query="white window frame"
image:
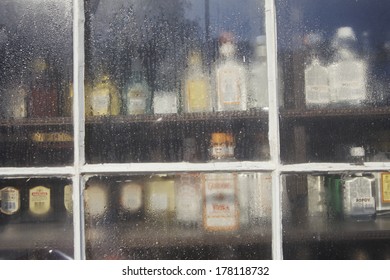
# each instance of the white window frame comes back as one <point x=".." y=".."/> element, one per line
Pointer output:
<point x="80" y="170"/>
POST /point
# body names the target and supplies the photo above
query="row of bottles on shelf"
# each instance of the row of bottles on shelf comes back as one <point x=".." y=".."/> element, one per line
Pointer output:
<point x="344" y="78"/>
<point x="349" y="196"/>
<point x="35" y="201"/>
<point x="229" y="87"/>
<point x="212" y="201"/>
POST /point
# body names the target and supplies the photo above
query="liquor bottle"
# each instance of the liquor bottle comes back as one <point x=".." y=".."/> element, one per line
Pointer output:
<point x="188" y="198"/>
<point x="317" y="204"/>
<point x="16" y="102"/>
<point x="105" y="99"/>
<point x="258" y="96"/>
<point x="347" y="74"/>
<point x="196" y="86"/>
<point x="317" y="92"/>
<point x="130" y="202"/>
<point x="43" y="99"/>
<point x="40" y="201"/>
<point x="97" y="204"/>
<point x="334" y="196"/>
<point x="160" y="201"/>
<point x="245" y="182"/>
<point x="220" y="202"/>
<point x="260" y="198"/>
<point x="358" y="192"/>
<point x="68" y="199"/>
<point x="382" y="193"/>
<point x="222" y="146"/>
<point x="10" y="204"/>
<point x="137" y="93"/>
<point x="230" y="78"/>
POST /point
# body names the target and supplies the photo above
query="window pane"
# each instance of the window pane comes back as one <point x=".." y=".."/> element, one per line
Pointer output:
<point x="35" y="82"/>
<point x="166" y="80"/>
<point x="336" y="216"/>
<point x="334" y="59"/>
<point x="36" y="218"/>
<point x="179" y="216"/>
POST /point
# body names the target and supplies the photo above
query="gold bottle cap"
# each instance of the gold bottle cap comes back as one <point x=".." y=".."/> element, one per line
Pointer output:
<point x="218" y="138"/>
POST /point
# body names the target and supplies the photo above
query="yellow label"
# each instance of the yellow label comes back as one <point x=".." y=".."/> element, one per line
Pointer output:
<point x="385" y="188"/>
<point x="197" y="95"/>
<point x="39" y="200"/>
<point x="68" y="201"/>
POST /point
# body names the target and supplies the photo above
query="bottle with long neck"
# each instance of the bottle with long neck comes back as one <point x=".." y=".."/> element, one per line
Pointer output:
<point x="196" y="95"/>
<point x="316" y="76"/>
<point x="230" y="78"/>
<point x="347" y="74"/>
<point x="137" y="92"/>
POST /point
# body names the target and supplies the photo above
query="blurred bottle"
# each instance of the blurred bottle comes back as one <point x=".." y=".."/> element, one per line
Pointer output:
<point x="317" y="91"/>
<point x="10" y="204"/>
<point x="97" y="202"/>
<point x="130" y="203"/>
<point x="258" y="95"/>
<point x="230" y="78"/>
<point x="137" y="93"/>
<point x="15" y="105"/>
<point x="347" y="74"/>
<point x="68" y="200"/>
<point x="197" y="91"/>
<point x="222" y="146"/>
<point x="104" y="98"/>
<point x="221" y="210"/>
<point x="160" y="201"/>
<point x="188" y="198"/>
<point x="382" y="193"/>
<point x="260" y="198"/>
<point x="43" y="99"/>
<point x="317" y="204"/>
<point x="41" y="201"/>
<point x="334" y="195"/>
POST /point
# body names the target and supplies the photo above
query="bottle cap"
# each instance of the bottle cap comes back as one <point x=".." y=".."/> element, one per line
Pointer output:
<point x="218" y="138"/>
<point x="357" y="151"/>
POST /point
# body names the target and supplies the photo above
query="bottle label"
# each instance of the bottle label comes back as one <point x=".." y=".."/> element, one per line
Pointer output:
<point x="136" y="100"/>
<point x="96" y="200"/>
<point x="188" y="199"/>
<point x="39" y="200"/>
<point x="68" y="201"/>
<point x="101" y="102"/>
<point x="229" y="86"/>
<point x="131" y="197"/>
<point x="159" y="201"/>
<point x="197" y="95"/>
<point x="10" y="200"/>
<point x="385" y="188"/>
<point x="221" y="211"/>
<point x="219" y="151"/>
<point x="358" y="199"/>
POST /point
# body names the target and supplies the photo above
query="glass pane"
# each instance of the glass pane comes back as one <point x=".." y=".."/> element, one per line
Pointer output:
<point x="336" y="216"/>
<point x="35" y="82"/>
<point x="174" y="80"/>
<point x="334" y="59"/>
<point x="179" y="216"/>
<point x="36" y="218"/>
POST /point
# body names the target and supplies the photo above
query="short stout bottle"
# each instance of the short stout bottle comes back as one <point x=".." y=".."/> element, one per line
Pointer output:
<point x="130" y="201"/>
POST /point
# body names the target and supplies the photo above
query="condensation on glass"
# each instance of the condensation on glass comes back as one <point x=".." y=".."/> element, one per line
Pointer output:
<point x="162" y="77"/>
<point x="36" y="218"/>
<point x="179" y="216"/>
<point x="336" y="215"/>
<point x="35" y="83"/>
<point x="335" y="67"/>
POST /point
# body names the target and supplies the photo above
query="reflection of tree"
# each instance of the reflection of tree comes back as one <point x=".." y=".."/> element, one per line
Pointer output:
<point x="155" y="31"/>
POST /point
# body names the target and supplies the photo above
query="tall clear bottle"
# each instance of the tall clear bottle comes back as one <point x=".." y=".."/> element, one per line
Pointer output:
<point x="137" y="93"/>
<point x="196" y="86"/>
<point x="317" y="91"/>
<point x="258" y="83"/>
<point x="348" y="72"/>
<point x="230" y="77"/>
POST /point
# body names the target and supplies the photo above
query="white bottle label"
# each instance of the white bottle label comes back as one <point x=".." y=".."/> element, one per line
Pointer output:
<point x="188" y="199"/>
<point x="136" y="100"/>
<point x="10" y="200"/>
<point x="131" y="197"/>
<point x="101" y="102"/>
<point x="96" y="200"/>
<point x="39" y="200"/>
<point x="221" y="211"/>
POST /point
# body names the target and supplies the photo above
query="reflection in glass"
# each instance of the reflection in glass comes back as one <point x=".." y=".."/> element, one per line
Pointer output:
<point x="36" y="219"/>
<point x="181" y="69"/>
<point x="179" y="216"/>
<point x="334" y="216"/>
